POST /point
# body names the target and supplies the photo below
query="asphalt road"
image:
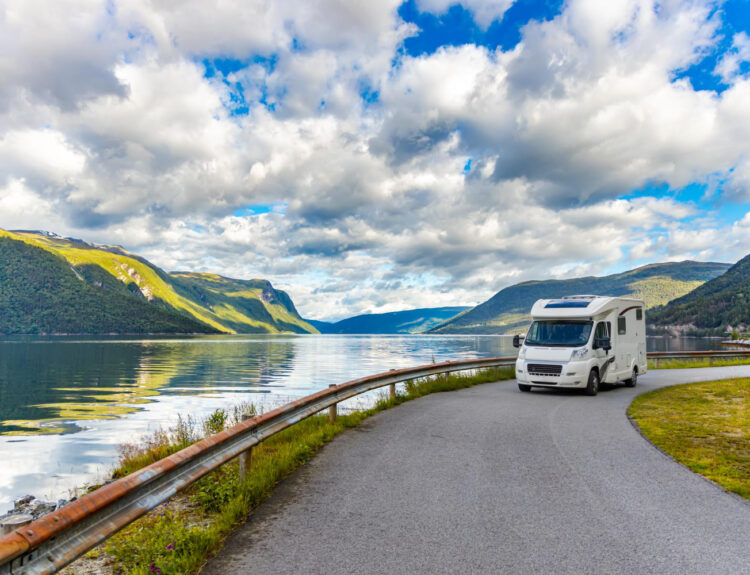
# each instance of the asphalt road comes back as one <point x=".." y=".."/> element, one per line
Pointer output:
<point x="491" y="480"/>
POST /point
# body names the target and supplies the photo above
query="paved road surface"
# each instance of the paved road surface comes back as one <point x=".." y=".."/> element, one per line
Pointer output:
<point x="491" y="480"/>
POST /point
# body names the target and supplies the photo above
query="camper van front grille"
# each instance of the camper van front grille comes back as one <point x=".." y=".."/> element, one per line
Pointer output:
<point x="544" y="369"/>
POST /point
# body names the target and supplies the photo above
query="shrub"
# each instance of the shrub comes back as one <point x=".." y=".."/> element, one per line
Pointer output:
<point x="216" y="422"/>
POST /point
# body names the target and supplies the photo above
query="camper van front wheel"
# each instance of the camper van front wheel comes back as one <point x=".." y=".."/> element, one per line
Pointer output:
<point x="634" y="379"/>
<point x="593" y="386"/>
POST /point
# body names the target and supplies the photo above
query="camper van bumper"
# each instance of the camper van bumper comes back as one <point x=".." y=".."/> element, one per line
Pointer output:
<point x="573" y="374"/>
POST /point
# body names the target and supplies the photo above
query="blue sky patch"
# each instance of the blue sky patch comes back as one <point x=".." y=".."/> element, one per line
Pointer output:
<point x="258" y="209"/>
<point x="457" y="26"/>
<point x="221" y="68"/>
<point x="368" y="94"/>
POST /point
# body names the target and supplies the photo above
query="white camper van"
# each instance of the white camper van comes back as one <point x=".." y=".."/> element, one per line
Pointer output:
<point x="582" y="341"/>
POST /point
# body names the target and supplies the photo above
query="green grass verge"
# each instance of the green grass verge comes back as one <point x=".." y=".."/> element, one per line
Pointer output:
<point x="178" y="537"/>
<point x="699" y="362"/>
<point x="705" y="426"/>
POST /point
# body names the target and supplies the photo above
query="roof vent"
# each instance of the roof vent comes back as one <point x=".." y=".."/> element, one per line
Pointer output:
<point x="580" y="296"/>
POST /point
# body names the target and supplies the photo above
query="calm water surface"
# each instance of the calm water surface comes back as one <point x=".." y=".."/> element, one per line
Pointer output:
<point x="67" y="403"/>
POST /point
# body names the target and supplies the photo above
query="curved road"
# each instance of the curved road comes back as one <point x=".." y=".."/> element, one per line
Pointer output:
<point x="491" y="480"/>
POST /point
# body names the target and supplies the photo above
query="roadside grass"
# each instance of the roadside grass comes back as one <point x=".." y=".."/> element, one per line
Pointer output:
<point x="698" y="362"/>
<point x="705" y="426"/>
<point x="180" y="535"/>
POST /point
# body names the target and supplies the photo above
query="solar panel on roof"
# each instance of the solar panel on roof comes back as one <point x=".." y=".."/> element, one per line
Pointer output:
<point x="568" y="303"/>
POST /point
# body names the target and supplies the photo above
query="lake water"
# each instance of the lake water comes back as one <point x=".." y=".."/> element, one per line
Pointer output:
<point x="67" y="403"/>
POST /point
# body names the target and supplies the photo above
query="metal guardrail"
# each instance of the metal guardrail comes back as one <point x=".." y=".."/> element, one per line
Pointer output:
<point x="55" y="540"/>
<point x="710" y="355"/>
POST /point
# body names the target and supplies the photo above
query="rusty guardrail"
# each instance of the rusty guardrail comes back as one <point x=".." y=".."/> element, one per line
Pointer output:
<point x="54" y="540"/>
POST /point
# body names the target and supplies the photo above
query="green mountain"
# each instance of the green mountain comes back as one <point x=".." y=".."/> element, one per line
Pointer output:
<point x="409" y="321"/>
<point x="50" y="284"/>
<point x="507" y="311"/>
<point x="719" y="305"/>
<point x="243" y="306"/>
<point x="41" y="293"/>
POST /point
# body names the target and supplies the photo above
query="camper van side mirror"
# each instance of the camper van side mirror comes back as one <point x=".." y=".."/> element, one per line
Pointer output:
<point x="604" y="343"/>
<point x="516" y="340"/>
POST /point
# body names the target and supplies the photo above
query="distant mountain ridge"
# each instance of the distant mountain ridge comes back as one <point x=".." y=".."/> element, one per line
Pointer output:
<point x="51" y="284"/>
<point x="717" y="306"/>
<point x="407" y="321"/>
<point x="657" y="284"/>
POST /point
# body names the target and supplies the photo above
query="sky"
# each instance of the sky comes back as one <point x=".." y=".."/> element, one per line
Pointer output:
<point x="377" y="156"/>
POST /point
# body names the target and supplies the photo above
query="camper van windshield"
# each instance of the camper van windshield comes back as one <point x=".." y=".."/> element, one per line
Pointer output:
<point x="559" y="333"/>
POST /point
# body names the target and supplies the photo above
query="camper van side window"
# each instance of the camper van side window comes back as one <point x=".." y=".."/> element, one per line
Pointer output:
<point x="602" y="330"/>
<point x="621" y="325"/>
<point x="639" y="314"/>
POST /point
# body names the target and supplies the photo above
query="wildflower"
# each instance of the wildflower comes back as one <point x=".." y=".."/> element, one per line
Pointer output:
<point x="170" y="546"/>
<point x="152" y="567"/>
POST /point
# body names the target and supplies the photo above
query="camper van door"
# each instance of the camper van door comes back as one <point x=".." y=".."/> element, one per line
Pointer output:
<point x="603" y="329"/>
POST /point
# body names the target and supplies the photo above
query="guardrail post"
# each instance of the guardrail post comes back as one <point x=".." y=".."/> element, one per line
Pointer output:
<point x="332" y="413"/>
<point x="246" y="457"/>
<point x="447" y="377"/>
<point x="393" y="390"/>
<point x="656" y="362"/>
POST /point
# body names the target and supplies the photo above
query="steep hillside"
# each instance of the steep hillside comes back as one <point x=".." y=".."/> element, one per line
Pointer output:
<point x="40" y="293"/>
<point x="657" y="284"/>
<point x="409" y="321"/>
<point x="244" y="306"/>
<point x="716" y="306"/>
<point x="206" y="302"/>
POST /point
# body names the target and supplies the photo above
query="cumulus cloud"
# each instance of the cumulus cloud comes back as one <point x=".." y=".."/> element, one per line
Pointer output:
<point x="574" y="99"/>
<point x="23" y="206"/>
<point x="45" y="155"/>
<point x="237" y="29"/>
<point x="406" y="181"/>
<point x="729" y="65"/>
<point x="485" y="11"/>
<point x="61" y="54"/>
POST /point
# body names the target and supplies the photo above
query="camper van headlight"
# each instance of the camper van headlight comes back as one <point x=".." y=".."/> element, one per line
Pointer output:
<point x="579" y="354"/>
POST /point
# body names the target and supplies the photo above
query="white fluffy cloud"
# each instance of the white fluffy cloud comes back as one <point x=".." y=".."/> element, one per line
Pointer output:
<point x="24" y="207"/>
<point x="729" y="65"/>
<point x="397" y="181"/>
<point x="485" y="11"/>
<point x="60" y="53"/>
